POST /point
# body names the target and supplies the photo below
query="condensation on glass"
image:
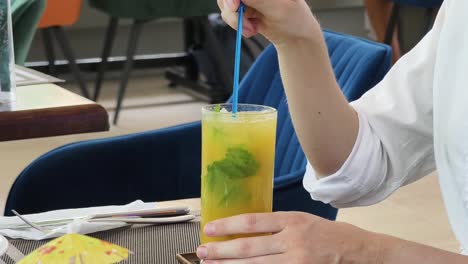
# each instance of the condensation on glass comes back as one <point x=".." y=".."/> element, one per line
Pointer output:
<point x="7" y="60"/>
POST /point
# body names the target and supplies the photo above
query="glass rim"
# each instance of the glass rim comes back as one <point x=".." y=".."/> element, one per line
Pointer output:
<point x="266" y="110"/>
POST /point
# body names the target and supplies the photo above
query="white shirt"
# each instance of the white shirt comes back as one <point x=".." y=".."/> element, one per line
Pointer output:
<point x="415" y="119"/>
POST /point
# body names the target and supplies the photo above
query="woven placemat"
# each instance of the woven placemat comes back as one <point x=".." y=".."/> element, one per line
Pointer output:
<point x="151" y="244"/>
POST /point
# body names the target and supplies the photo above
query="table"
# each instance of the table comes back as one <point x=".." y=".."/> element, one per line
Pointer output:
<point x="194" y="204"/>
<point x="48" y="110"/>
<point x="157" y="244"/>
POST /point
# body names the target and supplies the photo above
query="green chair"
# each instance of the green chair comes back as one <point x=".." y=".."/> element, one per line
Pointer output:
<point x="25" y="17"/>
<point x="198" y="35"/>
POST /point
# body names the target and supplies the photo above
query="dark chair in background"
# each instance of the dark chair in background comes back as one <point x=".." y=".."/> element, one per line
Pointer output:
<point x="198" y="36"/>
<point x="431" y="7"/>
<point x="57" y="15"/>
<point x="166" y="164"/>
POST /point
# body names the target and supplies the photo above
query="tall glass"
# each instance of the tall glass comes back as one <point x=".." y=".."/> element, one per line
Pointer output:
<point x="238" y="154"/>
<point x="7" y="60"/>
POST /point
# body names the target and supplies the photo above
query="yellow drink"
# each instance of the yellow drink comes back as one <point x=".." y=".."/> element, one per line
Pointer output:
<point x="237" y="162"/>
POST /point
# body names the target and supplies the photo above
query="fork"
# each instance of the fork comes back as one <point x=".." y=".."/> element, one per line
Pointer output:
<point x="40" y="228"/>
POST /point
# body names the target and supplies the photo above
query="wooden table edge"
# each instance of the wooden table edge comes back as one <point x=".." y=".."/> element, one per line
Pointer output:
<point x="56" y="121"/>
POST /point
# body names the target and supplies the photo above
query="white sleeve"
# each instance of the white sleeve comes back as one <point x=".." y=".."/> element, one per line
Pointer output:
<point x="395" y="140"/>
<point x="343" y="188"/>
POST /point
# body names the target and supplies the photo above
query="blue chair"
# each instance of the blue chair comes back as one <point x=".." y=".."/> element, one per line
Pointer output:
<point x="165" y="164"/>
<point x="430" y="5"/>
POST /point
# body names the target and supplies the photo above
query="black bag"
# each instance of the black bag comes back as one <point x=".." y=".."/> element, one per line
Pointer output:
<point x="215" y="62"/>
<point x="251" y="47"/>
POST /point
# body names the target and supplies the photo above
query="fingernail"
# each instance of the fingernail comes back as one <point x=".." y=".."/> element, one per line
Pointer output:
<point x="231" y="4"/>
<point x="202" y="252"/>
<point x="209" y="229"/>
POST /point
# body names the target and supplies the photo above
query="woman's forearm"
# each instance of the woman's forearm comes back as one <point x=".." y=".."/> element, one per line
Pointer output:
<point x="326" y="124"/>
<point x="397" y="251"/>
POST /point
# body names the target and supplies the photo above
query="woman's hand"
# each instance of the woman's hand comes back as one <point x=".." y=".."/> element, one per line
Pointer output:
<point x="296" y="238"/>
<point x="278" y="20"/>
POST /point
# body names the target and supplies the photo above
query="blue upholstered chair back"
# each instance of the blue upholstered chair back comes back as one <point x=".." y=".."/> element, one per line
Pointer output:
<point x="356" y="67"/>
<point x="165" y="164"/>
<point x="420" y="3"/>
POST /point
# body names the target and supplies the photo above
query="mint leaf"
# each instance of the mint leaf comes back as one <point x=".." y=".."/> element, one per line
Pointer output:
<point x="237" y="164"/>
<point x="224" y="176"/>
<point x="235" y="194"/>
<point x="217" y="132"/>
<point x="241" y="163"/>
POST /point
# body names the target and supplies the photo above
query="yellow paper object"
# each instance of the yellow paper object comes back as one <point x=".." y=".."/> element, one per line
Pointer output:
<point x="76" y="249"/>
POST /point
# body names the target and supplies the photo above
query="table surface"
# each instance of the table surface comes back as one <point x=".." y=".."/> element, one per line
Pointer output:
<point x="49" y="110"/>
<point x="194" y="204"/>
<point x="43" y="96"/>
<point x="150" y="244"/>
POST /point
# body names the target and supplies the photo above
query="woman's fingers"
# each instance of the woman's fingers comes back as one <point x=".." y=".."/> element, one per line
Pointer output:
<point x="270" y="259"/>
<point x="251" y="13"/>
<point x="243" y="248"/>
<point x="247" y="224"/>
<point x="277" y="20"/>
<point x="248" y="26"/>
<point x="233" y="5"/>
<point x="230" y="16"/>
<point x="261" y="5"/>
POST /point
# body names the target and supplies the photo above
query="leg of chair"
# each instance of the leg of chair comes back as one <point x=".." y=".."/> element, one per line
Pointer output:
<point x="108" y="43"/>
<point x="70" y="56"/>
<point x="191" y="70"/>
<point x="392" y="24"/>
<point x="49" y="49"/>
<point x="131" y="49"/>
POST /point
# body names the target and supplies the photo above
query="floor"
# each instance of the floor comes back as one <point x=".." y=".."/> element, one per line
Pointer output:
<point x="414" y="213"/>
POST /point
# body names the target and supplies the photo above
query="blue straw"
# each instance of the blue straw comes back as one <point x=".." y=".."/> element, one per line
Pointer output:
<point x="235" y="96"/>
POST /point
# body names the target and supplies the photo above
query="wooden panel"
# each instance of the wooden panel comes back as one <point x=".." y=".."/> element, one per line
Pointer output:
<point x="55" y="121"/>
<point x="49" y="110"/>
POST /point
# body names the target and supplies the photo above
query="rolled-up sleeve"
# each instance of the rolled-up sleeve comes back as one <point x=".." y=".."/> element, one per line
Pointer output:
<point x="394" y="146"/>
<point x="343" y="188"/>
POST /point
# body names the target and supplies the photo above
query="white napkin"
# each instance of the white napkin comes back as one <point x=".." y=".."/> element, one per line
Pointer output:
<point x="79" y="226"/>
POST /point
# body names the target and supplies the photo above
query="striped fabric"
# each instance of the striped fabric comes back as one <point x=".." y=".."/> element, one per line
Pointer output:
<point x="150" y="244"/>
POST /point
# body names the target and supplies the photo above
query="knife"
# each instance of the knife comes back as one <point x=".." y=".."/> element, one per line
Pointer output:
<point x="145" y="213"/>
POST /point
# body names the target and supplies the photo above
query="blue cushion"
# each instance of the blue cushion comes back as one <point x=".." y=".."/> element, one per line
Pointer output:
<point x="151" y="166"/>
<point x="165" y="164"/>
<point x="420" y="3"/>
